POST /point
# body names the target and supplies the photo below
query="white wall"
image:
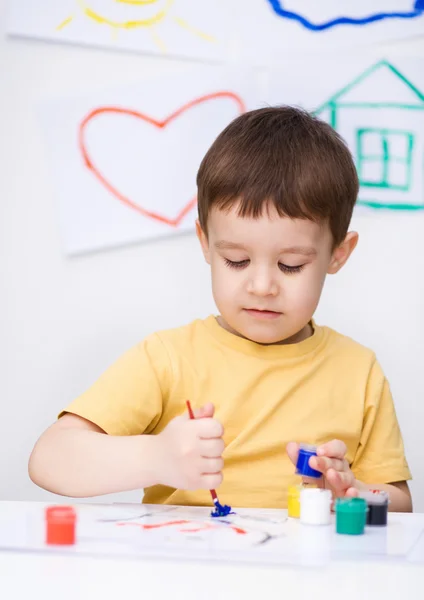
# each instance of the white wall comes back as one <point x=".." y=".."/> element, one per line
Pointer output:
<point x="63" y="321"/>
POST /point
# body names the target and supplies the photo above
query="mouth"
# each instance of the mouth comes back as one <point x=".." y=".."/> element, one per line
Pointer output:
<point x="262" y="314"/>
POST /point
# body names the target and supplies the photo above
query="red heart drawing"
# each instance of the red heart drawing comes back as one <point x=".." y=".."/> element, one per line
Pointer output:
<point x="161" y="125"/>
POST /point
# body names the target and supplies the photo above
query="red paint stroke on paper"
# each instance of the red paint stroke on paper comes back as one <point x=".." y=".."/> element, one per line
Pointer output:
<point x="114" y="110"/>
<point x="193" y="526"/>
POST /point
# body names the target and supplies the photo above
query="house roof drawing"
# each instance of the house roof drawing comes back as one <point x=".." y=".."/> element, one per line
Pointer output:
<point x="361" y="91"/>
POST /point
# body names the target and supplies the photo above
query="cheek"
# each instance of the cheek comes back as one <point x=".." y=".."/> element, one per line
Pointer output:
<point x="303" y="292"/>
<point x="223" y="280"/>
<point x="219" y="275"/>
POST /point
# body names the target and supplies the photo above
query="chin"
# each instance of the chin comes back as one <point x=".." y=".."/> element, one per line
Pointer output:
<point x="262" y="337"/>
<point x="266" y="339"/>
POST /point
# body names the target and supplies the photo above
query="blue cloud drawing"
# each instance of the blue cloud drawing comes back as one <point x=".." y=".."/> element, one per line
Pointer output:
<point x="417" y="10"/>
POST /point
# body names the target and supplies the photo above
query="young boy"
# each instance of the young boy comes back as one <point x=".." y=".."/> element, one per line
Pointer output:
<point x="275" y="194"/>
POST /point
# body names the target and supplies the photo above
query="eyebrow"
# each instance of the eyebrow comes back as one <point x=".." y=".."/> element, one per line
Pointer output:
<point x="304" y="250"/>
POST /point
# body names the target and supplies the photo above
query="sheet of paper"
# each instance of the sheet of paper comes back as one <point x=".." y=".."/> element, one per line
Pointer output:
<point x="181" y="28"/>
<point x="377" y="106"/>
<point x="273" y="29"/>
<point x="124" y="160"/>
<point x="259" y="31"/>
<point x="190" y="533"/>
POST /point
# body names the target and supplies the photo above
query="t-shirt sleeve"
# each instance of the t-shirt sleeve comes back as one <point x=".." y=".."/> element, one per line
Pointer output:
<point x="127" y="398"/>
<point x="380" y="457"/>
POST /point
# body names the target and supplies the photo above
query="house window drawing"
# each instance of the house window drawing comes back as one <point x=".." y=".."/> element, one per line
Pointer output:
<point x="391" y="152"/>
<point x="380" y="115"/>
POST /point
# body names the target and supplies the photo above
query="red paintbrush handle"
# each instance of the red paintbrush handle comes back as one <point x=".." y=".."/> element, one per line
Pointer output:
<point x="190" y="411"/>
<point x="191" y="415"/>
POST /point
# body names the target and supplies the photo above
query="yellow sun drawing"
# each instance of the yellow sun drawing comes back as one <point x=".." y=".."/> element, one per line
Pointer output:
<point x="132" y="14"/>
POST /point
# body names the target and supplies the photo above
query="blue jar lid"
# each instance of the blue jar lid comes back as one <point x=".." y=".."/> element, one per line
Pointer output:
<point x="302" y="465"/>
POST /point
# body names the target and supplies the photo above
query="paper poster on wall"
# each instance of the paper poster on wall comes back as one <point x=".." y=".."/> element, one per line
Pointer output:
<point x="125" y="160"/>
<point x="307" y="25"/>
<point x="378" y="109"/>
<point x="166" y="27"/>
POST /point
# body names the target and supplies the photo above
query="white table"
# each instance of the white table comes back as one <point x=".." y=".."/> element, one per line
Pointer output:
<point x="31" y="574"/>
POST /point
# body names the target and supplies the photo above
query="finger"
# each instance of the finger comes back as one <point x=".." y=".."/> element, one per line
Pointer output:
<point x="211" y="482"/>
<point x="212" y="466"/>
<point x="206" y="411"/>
<point x="212" y="448"/>
<point x="293" y="451"/>
<point x="340" y="482"/>
<point x="200" y="412"/>
<point x="323" y="463"/>
<point x="333" y="449"/>
<point x="209" y="429"/>
<point x="352" y="492"/>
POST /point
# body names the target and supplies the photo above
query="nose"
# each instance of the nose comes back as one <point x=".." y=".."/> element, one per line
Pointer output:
<point x="262" y="283"/>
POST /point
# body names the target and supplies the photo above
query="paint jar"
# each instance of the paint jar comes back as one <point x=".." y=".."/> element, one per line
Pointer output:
<point x="351" y="514"/>
<point x="293" y="501"/>
<point x="378" y="507"/>
<point x="315" y="506"/>
<point x="60" y="525"/>
<point x="302" y="465"/>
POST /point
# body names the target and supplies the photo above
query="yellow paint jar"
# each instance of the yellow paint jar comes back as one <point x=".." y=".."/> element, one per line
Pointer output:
<point x="293" y="501"/>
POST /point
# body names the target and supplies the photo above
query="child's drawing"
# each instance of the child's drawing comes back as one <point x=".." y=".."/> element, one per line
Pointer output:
<point x="378" y="109"/>
<point x="182" y="210"/>
<point x="383" y="122"/>
<point x="320" y="16"/>
<point x="125" y="161"/>
<point x="124" y="15"/>
<point x="258" y="31"/>
<point x="306" y="26"/>
<point x="253" y="536"/>
<point x="175" y="27"/>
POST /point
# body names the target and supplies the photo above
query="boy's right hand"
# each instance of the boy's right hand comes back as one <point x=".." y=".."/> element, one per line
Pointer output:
<point x="190" y="451"/>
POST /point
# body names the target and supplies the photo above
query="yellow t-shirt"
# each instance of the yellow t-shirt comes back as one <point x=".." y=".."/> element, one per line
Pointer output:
<point x="325" y="387"/>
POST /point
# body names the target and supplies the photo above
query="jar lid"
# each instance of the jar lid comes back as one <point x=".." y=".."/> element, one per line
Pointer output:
<point x="351" y="505"/>
<point x="303" y="468"/>
<point x="374" y="497"/>
<point x="308" y="448"/>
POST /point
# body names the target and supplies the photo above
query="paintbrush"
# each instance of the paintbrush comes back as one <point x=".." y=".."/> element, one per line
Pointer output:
<point x="220" y="510"/>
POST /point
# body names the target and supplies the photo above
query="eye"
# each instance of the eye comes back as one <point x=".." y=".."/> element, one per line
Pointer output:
<point x="288" y="269"/>
<point x="236" y="264"/>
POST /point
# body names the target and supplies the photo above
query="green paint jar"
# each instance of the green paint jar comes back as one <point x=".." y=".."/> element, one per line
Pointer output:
<point x="351" y="515"/>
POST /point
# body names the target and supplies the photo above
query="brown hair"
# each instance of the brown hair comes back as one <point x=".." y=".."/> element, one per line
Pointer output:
<point x="285" y="156"/>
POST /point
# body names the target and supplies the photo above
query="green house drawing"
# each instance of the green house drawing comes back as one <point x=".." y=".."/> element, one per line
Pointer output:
<point x="380" y="115"/>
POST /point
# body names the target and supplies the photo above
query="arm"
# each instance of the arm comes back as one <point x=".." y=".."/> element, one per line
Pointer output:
<point x="75" y="457"/>
<point x="399" y="494"/>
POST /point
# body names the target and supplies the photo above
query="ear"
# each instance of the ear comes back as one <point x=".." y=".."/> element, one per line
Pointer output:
<point x="203" y="239"/>
<point x="342" y="252"/>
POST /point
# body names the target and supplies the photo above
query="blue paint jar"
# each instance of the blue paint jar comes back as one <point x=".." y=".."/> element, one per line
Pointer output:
<point x="302" y="465"/>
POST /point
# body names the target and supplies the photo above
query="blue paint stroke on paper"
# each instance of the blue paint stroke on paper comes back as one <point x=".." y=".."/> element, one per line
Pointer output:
<point x="417" y="10"/>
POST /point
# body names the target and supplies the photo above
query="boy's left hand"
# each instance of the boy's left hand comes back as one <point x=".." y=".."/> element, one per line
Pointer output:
<point x="331" y="462"/>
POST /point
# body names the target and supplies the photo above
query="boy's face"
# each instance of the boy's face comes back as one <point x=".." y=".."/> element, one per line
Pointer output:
<point x="268" y="272"/>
